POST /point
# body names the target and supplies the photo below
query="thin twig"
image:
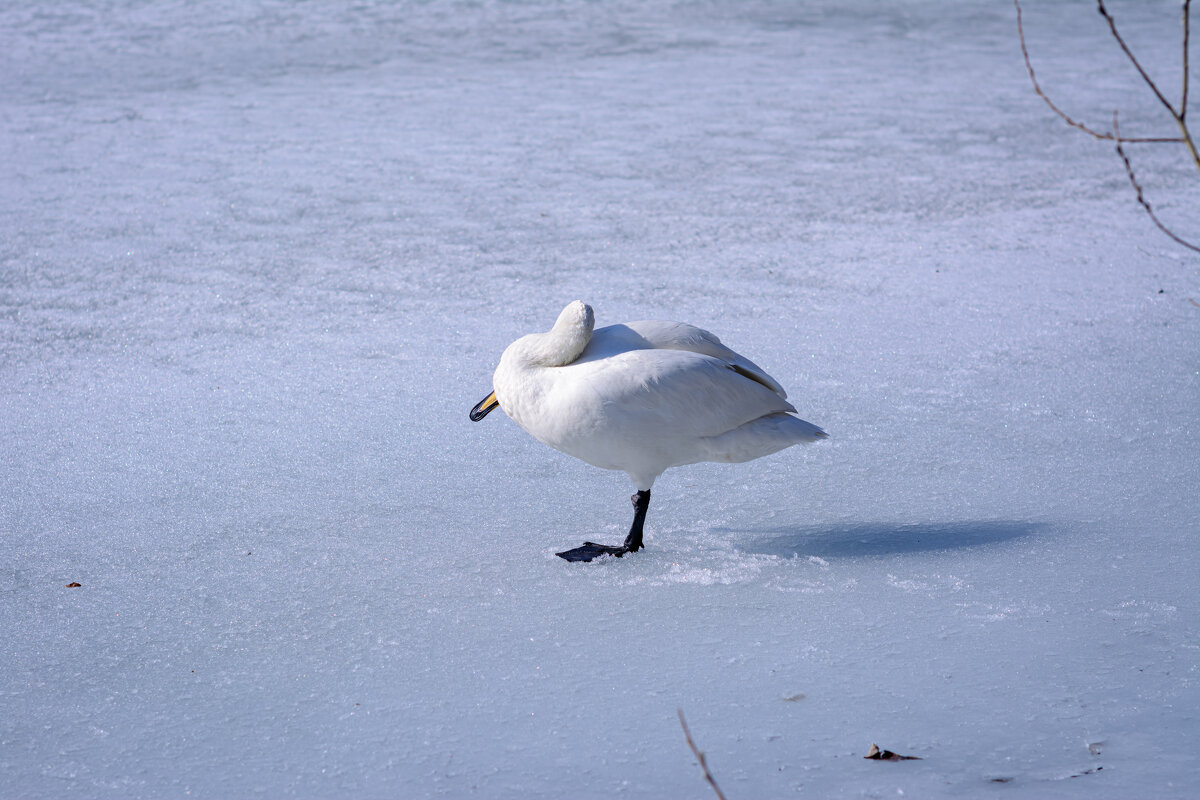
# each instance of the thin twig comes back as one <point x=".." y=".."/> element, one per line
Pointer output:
<point x="699" y="756"/>
<point x="1112" y="26"/>
<point x="1181" y="117"/>
<point x="1138" y="188"/>
<point x="1186" y="17"/>
<point x="1079" y="125"/>
<point x="1177" y="116"/>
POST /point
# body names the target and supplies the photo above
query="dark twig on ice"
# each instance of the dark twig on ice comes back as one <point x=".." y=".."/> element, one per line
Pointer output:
<point x="699" y="757"/>
<point x="1179" y="115"/>
<point x="1037" y="87"/>
<point x="1141" y="197"/>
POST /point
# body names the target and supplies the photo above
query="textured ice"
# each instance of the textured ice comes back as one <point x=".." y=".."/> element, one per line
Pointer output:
<point x="258" y="259"/>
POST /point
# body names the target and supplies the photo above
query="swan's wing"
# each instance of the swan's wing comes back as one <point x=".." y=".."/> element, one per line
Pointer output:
<point x="672" y="393"/>
<point x="681" y="336"/>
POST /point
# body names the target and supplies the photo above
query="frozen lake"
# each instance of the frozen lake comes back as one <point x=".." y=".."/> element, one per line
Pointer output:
<point x="258" y="259"/>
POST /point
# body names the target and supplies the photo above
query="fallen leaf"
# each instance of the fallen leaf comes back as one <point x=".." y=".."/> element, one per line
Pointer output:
<point x="887" y="755"/>
<point x="74" y="585"/>
<point x="794" y="698"/>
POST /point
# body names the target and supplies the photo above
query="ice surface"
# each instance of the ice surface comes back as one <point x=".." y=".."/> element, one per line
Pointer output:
<point x="257" y="260"/>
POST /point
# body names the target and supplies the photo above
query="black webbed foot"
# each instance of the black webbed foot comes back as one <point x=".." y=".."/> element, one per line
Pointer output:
<point x="590" y="550"/>
<point x="633" y="542"/>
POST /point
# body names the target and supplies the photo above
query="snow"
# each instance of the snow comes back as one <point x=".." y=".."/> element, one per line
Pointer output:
<point x="258" y="259"/>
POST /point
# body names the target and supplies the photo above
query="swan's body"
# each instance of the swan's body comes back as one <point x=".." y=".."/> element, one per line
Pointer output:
<point x="641" y="397"/>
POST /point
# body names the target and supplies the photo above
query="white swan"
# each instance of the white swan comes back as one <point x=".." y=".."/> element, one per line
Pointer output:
<point x="640" y="397"/>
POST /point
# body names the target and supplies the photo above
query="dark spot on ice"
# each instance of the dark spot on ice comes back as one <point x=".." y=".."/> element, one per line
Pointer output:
<point x="876" y="754"/>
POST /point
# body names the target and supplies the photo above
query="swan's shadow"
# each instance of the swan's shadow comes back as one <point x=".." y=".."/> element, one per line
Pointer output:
<point x="866" y="539"/>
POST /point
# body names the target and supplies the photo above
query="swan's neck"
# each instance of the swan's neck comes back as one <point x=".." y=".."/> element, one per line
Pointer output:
<point x="563" y="343"/>
<point x="527" y="368"/>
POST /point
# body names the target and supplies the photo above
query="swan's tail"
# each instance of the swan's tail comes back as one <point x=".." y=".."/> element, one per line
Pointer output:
<point x="761" y="437"/>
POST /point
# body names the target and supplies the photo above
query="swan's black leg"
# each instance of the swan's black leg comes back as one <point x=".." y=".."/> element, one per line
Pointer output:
<point x="641" y="503"/>
<point x="633" y="542"/>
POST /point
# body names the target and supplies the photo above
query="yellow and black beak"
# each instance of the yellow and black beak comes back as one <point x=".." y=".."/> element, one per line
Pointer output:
<point x="484" y="406"/>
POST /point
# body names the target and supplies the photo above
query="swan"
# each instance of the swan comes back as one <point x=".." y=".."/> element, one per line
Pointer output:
<point x="640" y="397"/>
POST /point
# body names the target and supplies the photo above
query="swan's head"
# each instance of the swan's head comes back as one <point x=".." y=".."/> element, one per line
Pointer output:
<point x="558" y="347"/>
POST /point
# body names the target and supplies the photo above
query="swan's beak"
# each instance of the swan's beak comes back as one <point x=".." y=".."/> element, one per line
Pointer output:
<point x="482" y="408"/>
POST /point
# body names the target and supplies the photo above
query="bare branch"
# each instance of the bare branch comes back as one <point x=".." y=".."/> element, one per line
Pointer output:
<point x="1138" y="188"/>
<point x="1078" y="125"/>
<point x="1180" y="117"/>
<point x="1112" y="26"/>
<point x="699" y="756"/>
<point x="1186" y="18"/>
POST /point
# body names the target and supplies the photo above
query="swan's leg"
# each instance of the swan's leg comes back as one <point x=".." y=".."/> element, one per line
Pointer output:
<point x="633" y="542"/>
<point x="641" y="503"/>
